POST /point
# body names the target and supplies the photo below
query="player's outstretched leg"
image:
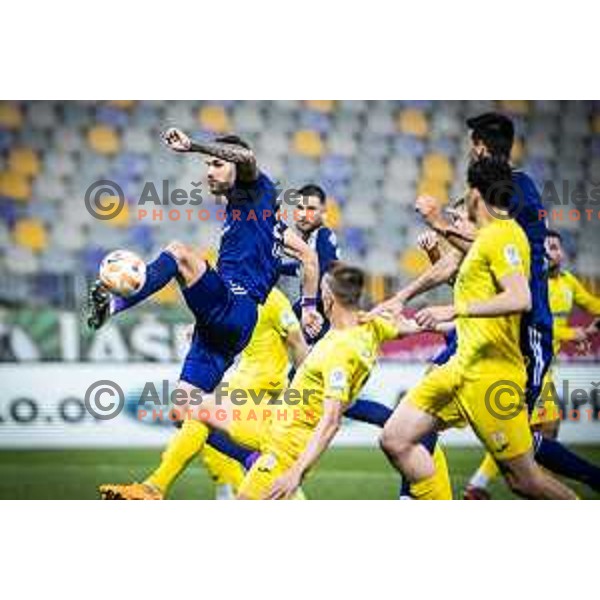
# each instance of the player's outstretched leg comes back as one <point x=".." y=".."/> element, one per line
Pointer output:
<point x="176" y="260"/>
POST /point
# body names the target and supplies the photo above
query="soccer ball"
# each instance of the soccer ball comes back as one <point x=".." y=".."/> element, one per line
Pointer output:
<point x="123" y="273"/>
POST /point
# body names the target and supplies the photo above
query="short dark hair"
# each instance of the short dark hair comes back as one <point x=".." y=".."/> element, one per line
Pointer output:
<point x="554" y="233"/>
<point x="492" y="178"/>
<point x="496" y="131"/>
<point x="235" y="140"/>
<point x="312" y="189"/>
<point x="346" y="283"/>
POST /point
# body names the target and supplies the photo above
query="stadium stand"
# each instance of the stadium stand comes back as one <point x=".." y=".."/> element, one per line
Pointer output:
<point x="371" y="157"/>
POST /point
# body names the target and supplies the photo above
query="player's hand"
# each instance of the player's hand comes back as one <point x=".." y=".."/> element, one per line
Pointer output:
<point x="428" y="240"/>
<point x="285" y="487"/>
<point x="429" y="208"/>
<point x="389" y="309"/>
<point x="428" y="318"/>
<point x="312" y="321"/>
<point x="407" y="326"/>
<point x="177" y="140"/>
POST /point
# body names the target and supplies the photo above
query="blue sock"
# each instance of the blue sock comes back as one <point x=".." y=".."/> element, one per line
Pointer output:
<point x="560" y="460"/>
<point x="158" y="273"/>
<point x="429" y="441"/>
<point x="370" y="412"/>
<point x="223" y="443"/>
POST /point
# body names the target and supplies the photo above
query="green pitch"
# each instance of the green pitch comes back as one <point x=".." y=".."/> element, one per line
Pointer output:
<point x="344" y="473"/>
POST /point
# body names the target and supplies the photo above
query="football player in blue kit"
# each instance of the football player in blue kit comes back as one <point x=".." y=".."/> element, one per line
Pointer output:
<point x="224" y="300"/>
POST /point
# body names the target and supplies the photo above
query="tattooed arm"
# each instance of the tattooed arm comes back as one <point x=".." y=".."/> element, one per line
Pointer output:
<point x="243" y="158"/>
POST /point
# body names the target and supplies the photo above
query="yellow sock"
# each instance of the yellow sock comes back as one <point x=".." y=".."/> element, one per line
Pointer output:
<point x="436" y="487"/>
<point x="487" y="472"/>
<point x="183" y="446"/>
<point x="223" y="469"/>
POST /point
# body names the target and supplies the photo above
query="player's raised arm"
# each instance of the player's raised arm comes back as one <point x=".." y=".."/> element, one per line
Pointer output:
<point x="242" y="157"/>
<point x="296" y="247"/>
<point x="431" y="211"/>
<point x="329" y="424"/>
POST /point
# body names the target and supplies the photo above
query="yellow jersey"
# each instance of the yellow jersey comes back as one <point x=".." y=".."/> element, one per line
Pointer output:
<point x="336" y="368"/>
<point x="565" y="291"/>
<point x="264" y="362"/>
<point x="500" y="249"/>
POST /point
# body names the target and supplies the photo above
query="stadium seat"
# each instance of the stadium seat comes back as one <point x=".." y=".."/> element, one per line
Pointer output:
<point x="324" y="106"/>
<point x="307" y="143"/>
<point x="11" y="116"/>
<point x="437" y="167"/>
<point x="14" y="185"/>
<point x="31" y="234"/>
<point x="514" y="107"/>
<point x="437" y="189"/>
<point x="103" y="140"/>
<point x="412" y="121"/>
<point x="214" y="118"/>
<point x="24" y="161"/>
<point x="413" y="262"/>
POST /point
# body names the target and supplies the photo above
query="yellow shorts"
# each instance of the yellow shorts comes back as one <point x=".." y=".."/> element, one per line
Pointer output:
<point x="494" y="410"/>
<point x="250" y="421"/>
<point x="280" y="449"/>
<point x="546" y="409"/>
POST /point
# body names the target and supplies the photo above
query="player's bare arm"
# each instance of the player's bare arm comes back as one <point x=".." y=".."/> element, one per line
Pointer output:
<point x="296" y="247"/>
<point x="431" y="211"/>
<point x="441" y="272"/>
<point x="243" y="158"/>
<point x="514" y="298"/>
<point x="331" y="421"/>
<point x="297" y="347"/>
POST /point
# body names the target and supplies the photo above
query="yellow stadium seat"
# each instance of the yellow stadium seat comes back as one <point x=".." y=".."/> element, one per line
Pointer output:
<point x="517" y="151"/>
<point x="104" y="139"/>
<point x="437" y="189"/>
<point x="324" y="106"/>
<point x="168" y="294"/>
<point x="413" y="262"/>
<point x="308" y="143"/>
<point x="14" y="185"/>
<point x="24" y="161"/>
<point x="596" y="124"/>
<point x="515" y="107"/>
<point x="413" y="122"/>
<point x="10" y="115"/>
<point x="31" y="233"/>
<point x="121" y="219"/>
<point x="214" y="118"/>
<point x="333" y="214"/>
<point x="124" y="104"/>
<point x="437" y="167"/>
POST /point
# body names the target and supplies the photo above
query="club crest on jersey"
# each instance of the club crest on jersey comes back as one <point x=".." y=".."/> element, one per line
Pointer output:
<point x="338" y="379"/>
<point x="511" y="253"/>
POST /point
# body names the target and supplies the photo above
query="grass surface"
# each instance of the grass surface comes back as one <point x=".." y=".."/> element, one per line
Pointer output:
<point x="344" y="473"/>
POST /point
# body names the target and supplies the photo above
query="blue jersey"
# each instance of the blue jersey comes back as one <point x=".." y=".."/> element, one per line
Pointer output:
<point x="251" y="242"/>
<point x="527" y="204"/>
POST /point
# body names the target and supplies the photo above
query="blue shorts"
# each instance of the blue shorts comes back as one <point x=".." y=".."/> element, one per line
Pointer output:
<point x="536" y="346"/>
<point x="224" y="325"/>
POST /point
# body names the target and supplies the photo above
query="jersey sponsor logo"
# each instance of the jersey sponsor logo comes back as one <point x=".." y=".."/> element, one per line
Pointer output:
<point x="238" y="290"/>
<point x="338" y="380"/>
<point x="511" y="253"/>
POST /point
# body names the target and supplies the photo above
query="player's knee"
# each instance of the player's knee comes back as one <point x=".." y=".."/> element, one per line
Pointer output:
<point x="189" y="264"/>
<point x="393" y="443"/>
